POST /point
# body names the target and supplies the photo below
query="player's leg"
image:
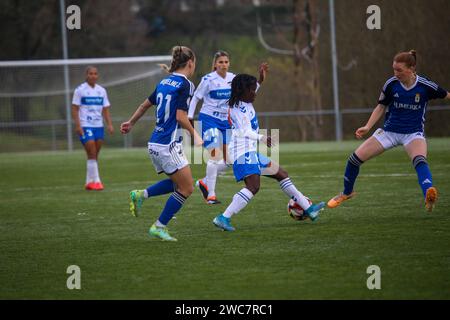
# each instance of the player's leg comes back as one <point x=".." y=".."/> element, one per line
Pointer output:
<point x="137" y="197"/>
<point x="417" y="152"/>
<point x="182" y="178"/>
<point x="239" y="202"/>
<point x="214" y="137"/>
<point x="175" y="164"/>
<point x="288" y="187"/>
<point x="160" y="156"/>
<point x="370" y="148"/>
<point x="98" y="145"/>
<point x="88" y="141"/>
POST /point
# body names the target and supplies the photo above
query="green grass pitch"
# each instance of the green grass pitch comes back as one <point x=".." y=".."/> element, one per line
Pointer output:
<point x="48" y="222"/>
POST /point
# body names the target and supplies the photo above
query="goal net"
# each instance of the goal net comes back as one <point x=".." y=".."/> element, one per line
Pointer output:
<point x="36" y="95"/>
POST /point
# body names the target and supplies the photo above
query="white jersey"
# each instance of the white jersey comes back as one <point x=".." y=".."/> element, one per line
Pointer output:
<point x="91" y="102"/>
<point x="245" y="128"/>
<point x="215" y="92"/>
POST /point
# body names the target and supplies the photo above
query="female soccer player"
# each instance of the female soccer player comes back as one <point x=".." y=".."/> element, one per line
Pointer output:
<point x="171" y="98"/>
<point x="404" y="99"/>
<point x="90" y="105"/>
<point x="214" y="90"/>
<point x="248" y="165"/>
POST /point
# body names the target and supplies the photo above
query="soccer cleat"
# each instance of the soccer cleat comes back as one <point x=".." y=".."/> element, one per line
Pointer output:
<point x="203" y="188"/>
<point x="430" y="198"/>
<point x="136" y="200"/>
<point x="223" y="223"/>
<point x="336" y="201"/>
<point x="161" y="233"/>
<point x="90" y="186"/>
<point x="212" y="200"/>
<point x="98" y="186"/>
<point x="313" y="211"/>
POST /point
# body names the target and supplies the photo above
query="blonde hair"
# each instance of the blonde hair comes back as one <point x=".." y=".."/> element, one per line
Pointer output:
<point x="217" y="55"/>
<point x="180" y="57"/>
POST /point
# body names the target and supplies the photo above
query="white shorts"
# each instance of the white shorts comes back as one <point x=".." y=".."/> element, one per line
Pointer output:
<point x="390" y="139"/>
<point x="167" y="158"/>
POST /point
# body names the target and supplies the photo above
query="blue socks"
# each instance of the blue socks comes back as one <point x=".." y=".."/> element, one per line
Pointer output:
<point x="423" y="173"/>
<point x="173" y="205"/>
<point x="351" y="172"/>
<point x="161" y="187"/>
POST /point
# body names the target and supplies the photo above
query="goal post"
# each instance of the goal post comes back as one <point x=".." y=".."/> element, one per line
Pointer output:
<point x="33" y="107"/>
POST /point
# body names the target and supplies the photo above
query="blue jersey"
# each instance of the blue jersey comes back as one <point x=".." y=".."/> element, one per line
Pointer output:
<point x="172" y="93"/>
<point x="406" y="107"/>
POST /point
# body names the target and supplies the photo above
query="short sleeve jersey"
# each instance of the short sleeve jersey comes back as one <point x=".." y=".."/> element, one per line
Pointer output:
<point x="91" y="101"/>
<point x="406" y="107"/>
<point x="172" y="93"/>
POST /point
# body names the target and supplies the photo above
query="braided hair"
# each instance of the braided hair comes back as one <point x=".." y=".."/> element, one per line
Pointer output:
<point x="239" y="86"/>
<point x="180" y="57"/>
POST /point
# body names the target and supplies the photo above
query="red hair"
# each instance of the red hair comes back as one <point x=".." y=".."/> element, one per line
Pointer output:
<point x="408" y="58"/>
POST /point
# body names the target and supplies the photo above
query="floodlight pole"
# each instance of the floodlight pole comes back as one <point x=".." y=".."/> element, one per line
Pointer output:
<point x="66" y="75"/>
<point x="337" y="113"/>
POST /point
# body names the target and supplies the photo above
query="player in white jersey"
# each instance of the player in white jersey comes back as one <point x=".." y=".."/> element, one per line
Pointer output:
<point x="248" y="164"/>
<point x="214" y="89"/>
<point x="90" y="105"/>
<point x="171" y="98"/>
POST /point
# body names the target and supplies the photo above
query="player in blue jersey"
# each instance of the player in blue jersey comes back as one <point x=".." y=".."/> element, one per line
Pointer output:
<point x="403" y="100"/>
<point x="248" y="164"/>
<point x="171" y="98"/>
<point x="90" y="105"/>
<point x="214" y="89"/>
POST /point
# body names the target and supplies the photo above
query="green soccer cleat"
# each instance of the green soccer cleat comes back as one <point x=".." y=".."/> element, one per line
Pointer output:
<point x="136" y="201"/>
<point x="161" y="233"/>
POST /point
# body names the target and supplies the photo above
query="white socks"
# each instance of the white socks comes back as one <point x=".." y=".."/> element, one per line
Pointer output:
<point x="92" y="172"/>
<point x="213" y="168"/>
<point x="288" y="187"/>
<point x="240" y="200"/>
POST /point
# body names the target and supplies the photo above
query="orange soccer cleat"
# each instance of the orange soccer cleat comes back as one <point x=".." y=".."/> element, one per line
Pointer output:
<point x="336" y="201"/>
<point x="430" y="198"/>
<point x="212" y="200"/>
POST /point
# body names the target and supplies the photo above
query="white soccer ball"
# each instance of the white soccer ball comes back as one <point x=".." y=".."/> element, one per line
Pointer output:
<point x="295" y="211"/>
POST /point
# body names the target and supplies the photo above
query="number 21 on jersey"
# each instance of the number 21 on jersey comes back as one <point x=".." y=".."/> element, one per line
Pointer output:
<point x="163" y="108"/>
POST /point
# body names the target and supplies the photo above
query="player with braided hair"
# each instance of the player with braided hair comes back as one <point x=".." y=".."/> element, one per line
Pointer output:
<point x="248" y="164"/>
<point x="214" y="89"/>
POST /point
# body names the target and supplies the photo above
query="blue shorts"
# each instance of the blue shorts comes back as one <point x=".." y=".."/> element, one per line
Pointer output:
<point x="248" y="164"/>
<point x="91" y="133"/>
<point x="215" y="132"/>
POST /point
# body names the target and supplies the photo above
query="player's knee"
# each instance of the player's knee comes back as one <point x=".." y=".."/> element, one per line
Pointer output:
<point x="282" y="174"/>
<point x="254" y="188"/>
<point x="188" y="190"/>
<point x="419" y="160"/>
<point x="355" y="160"/>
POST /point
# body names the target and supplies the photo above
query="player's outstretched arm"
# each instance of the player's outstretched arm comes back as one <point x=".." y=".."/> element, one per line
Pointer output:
<point x="126" y="126"/>
<point x="377" y="113"/>
<point x="184" y="122"/>
<point x="263" y="69"/>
